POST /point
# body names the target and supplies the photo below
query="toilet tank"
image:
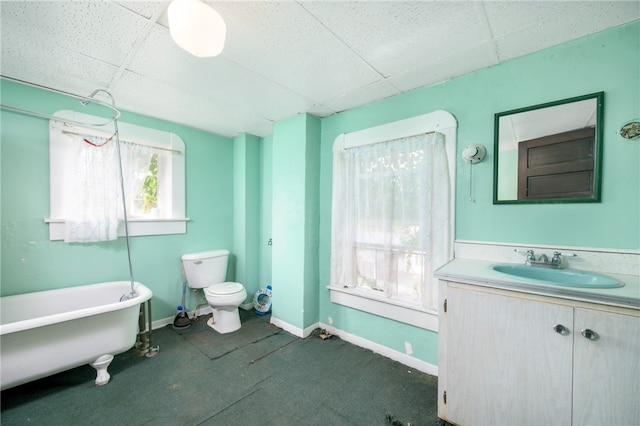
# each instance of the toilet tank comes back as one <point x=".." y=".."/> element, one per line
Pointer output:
<point x="205" y="268"/>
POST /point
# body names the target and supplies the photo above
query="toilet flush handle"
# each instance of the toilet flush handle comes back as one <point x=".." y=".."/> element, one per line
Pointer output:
<point x="197" y="262"/>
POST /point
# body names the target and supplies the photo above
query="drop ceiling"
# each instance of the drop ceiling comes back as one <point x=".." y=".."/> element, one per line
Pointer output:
<point x="280" y="58"/>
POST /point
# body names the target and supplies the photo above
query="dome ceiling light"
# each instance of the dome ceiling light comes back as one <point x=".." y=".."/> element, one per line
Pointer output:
<point x="196" y="27"/>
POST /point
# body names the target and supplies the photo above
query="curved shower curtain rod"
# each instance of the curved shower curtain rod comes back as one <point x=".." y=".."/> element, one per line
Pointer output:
<point x="114" y="119"/>
<point x="84" y="99"/>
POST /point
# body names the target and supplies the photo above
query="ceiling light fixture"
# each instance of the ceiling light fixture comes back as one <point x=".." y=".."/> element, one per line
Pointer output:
<point x="196" y="27"/>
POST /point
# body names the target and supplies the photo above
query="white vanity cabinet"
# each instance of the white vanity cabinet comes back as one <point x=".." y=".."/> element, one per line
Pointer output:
<point x="510" y="358"/>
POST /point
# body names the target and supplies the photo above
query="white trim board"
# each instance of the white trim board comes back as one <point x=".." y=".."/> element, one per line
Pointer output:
<point x="407" y="313"/>
<point x="385" y="351"/>
<point x="296" y="331"/>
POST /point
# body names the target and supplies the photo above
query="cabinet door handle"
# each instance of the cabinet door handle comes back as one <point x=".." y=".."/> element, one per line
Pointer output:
<point x="561" y="329"/>
<point x="589" y="334"/>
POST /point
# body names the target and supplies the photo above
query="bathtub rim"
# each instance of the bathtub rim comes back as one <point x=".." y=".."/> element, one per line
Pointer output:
<point x="144" y="294"/>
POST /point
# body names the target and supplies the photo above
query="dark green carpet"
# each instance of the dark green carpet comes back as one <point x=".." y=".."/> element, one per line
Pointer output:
<point x="259" y="375"/>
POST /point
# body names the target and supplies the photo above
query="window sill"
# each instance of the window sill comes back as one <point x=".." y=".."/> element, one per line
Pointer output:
<point x="137" y="227"/>
<point x="405" y="312"/>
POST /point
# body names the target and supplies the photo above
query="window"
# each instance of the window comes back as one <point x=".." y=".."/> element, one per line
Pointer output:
<point x="147" y="198"/>
<point x="392" y="222"/>
<point x="85" y="181"/>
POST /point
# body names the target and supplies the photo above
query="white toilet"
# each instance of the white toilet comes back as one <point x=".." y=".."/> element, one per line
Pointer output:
<point x="207" y="270"/>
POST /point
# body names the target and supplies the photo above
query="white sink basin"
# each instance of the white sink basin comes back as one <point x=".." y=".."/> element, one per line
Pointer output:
<point x="559" y="277"/>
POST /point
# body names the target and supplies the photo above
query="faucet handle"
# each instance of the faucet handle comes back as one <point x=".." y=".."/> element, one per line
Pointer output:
<point x="557" y="253"/>
<point x="557" y="259"/>
<point x="530" y="253"/>
<point x="527" y="251"/>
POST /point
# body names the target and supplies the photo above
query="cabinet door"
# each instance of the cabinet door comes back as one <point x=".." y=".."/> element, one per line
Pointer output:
<point x="505" y="363"/>
<point x="606" y="369"/>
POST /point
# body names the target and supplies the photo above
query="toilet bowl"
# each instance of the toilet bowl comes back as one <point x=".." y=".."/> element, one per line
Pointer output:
<point x="207" y="271"/>
<point x="224" y="300"/>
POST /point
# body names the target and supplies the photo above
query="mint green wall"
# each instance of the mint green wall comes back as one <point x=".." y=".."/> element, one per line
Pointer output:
<point x="295" y="199"/>
<point x="266" y="207"/>
<point x="606" y="62"/>
<point x="312" y="200"/>
<point x="246" y="225"/>
<point x="30" y="262"/>
<point x="609" y="62"/>
<point x="295" y="176"/>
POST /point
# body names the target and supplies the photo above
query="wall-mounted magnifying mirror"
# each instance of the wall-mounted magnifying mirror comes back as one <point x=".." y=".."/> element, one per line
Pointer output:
<point x="549" y="153"/>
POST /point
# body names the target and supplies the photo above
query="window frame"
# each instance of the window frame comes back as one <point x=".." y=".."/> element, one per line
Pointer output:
<point x="174" y="200"/>
<point x="372" y="301"/>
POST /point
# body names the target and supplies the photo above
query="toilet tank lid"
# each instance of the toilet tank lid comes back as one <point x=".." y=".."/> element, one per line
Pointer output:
<point x="205" y="254"/>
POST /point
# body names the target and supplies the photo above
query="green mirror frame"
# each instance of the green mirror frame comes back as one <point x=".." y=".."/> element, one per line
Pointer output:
<point x="563" y="112"/>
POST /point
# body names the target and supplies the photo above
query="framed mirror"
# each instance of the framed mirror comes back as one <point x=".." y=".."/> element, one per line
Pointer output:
<point x="549" y="153"/>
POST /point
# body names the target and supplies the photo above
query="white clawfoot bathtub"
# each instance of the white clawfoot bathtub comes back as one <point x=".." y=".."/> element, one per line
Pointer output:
<point x="47" y="332"/>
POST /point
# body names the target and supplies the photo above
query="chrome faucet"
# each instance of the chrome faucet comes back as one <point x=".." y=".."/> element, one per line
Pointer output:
<point x="543" y="260"/>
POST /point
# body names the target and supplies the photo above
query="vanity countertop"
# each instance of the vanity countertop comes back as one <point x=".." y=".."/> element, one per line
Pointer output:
<point x="479" y="272"/>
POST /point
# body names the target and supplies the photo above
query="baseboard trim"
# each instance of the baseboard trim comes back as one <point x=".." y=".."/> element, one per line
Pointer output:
<point x="385" y="351"/>
<point x="296" y="331"/>
<point x="163" y="322"/>
<point x="202" y="311"/>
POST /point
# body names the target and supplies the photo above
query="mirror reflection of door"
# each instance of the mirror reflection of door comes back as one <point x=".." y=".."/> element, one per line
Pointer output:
<point x="557" y="166"/>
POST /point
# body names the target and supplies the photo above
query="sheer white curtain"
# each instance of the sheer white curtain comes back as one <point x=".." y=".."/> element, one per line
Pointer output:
<point x="391" y="218"/>
<point x="93" y="192"/>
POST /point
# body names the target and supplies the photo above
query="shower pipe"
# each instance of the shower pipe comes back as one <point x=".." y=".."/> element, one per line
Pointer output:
<point x="85" y="100"/>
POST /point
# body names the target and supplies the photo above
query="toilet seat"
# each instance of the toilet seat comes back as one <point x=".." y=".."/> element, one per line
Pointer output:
<point x="262" y="301"/>
<point x="224" y="289"/>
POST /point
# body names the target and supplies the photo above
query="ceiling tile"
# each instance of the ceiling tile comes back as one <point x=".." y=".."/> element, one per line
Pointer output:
<point x="525" y="27"/>
<point x="214" y="78"/>
<point x="281" y="58"/>
<point x="396" y="37"/>
<point x="460" y="63"/>
<point x="362" y="96"/>
<point x="42" y="61"/>
<point x="145" y="9"/>
<point x="592" y="16"/>
<point x="283" y="42"/>
<point x="157" y="99"/>
<point x="101" y="30"/>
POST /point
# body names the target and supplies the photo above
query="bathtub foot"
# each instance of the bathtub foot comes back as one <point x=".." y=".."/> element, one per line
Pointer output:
<point x="152" y="352"/>
<point x="142" y="347"/>
<point x="101" y="364"/>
